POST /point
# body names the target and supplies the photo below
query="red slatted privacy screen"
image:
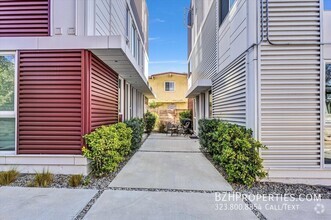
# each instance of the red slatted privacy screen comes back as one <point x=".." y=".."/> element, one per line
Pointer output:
<point x="24" y="18"/>
<point x="104" y="94"/>
<point x="50" y="102"/>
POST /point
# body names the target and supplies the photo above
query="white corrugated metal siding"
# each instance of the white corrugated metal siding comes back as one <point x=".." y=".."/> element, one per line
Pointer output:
<point x="229" y="92"/>
<point x="290" y="107"/>
<point x="204" y="55"/>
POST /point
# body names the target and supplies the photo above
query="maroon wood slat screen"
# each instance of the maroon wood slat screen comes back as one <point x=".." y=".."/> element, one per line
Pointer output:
<point x="24" y="18"/>
<point x="50" y="102"/>
<point x="104" y="93"/>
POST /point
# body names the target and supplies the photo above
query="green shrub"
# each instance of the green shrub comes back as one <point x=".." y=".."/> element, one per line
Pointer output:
<point x="137" y="126"/>
<point x="185" y="115"/>
<point x="150" y="121"/>
<point x="43" y="179"/>
<point x="208" y="138"/>
<point x="7" y="177"/>
<point x="75" y="180"/>
<point x="235" y="149"/>
<point x="106" y="147"/>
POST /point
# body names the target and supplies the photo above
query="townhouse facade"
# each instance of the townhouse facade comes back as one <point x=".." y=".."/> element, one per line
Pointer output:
<point x="266" y="65"/>
<point x="66" y="68"/>
<point x="170" y="90"/>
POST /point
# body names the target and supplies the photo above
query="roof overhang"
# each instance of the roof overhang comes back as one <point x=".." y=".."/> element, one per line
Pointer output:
<point x="113" y="50"/>
<point x="199" y="87"/>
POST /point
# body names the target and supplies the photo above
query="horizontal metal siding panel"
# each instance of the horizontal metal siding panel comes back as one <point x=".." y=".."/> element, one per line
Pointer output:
<point x="204" y="55"/>
<point x="290" y="86"/>
<point x="229" y="93"/>
<point x="104" y="94"/>
<point x="24" y="18"/>
<point x="50" y="102"/>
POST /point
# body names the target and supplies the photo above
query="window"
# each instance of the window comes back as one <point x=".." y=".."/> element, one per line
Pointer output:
<point x="133" y="40"/>
<point x="169" y="86"/>
<point x="327" y="129"/>
<point x="327" y="4"/>
<point x="7" y="102"/>
<point x="139" y="52"/>
<point x="210" y="104"/>
<point x="224" y="7"/>
<point x="328" y="93"/>
<point x="172" y="106"/>
<point x="119" y="96"/>
<point x="128" y="17"/>
<point x="232" y="3"/>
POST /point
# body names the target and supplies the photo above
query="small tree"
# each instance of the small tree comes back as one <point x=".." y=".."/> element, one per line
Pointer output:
<point x="154" y="105"/>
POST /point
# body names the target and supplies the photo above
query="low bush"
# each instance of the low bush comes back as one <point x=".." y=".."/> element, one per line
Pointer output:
<point x="150" y="121"/>
<point x="209" y="139"/>
<point x="75" y="180"/>
<point x="7" y="177"/>
<point x="234" y="148"/>
<point x="184" y="116"/>
<point x="106" y="147"/>
<point x="137" y="126"/>
<point x="43" y="179"/>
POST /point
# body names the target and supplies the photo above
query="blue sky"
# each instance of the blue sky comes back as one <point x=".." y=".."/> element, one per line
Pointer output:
<point x="167" y="36"/>
<point x="327" y="4"/>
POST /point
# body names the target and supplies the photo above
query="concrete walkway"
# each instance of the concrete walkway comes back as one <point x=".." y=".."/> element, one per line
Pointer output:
<point x="169" y="178"/>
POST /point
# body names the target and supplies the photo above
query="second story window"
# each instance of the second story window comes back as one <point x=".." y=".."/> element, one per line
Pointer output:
<point x="133" y="40"/>
<point x="224" y="7"/>
<point x="327" y="4"/>
<point x="169" y="86"/>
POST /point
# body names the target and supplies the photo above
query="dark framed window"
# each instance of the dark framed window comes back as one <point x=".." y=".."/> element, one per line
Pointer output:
<point x="169" y="86"/>
<point x="224" y="7"/>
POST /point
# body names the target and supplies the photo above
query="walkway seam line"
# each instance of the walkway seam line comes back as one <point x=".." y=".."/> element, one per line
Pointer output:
<point x="253" y="208"/>
<point x="167" y="190"/>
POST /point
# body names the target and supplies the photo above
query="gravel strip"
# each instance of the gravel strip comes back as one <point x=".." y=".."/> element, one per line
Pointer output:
<point x="253" y="208"/>
<point x="275" y="188"/>
<point x="89" y="205"/>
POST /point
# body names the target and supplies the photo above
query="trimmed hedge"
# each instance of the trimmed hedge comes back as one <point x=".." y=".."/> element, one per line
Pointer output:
<point x="150" y="121"/>
<point x="107" y="146"/>
<point x="137" y="126"/>
<point x="234" y="148"/>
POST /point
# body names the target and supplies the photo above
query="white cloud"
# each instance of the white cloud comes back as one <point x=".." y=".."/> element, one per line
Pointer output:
<point x="153" y="38"/>
<point x="158" y="20"/>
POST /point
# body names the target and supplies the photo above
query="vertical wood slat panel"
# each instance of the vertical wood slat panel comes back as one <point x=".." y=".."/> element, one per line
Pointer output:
<point x="290" y="85"/>
<point x="24" y="18"/>
<point x="50" y="102"/>
<point x="104" y="94"/>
